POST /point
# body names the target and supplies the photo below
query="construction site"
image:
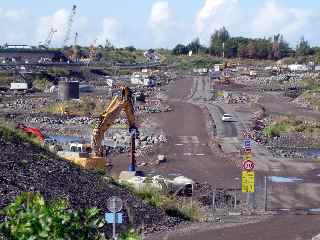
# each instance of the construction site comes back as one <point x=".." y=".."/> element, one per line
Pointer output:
<point x="195" y="145"/>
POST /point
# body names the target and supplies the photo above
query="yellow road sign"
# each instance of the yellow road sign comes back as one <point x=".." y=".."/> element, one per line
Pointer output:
<point x="248" y="181"/>
<point x="247" y="156"/>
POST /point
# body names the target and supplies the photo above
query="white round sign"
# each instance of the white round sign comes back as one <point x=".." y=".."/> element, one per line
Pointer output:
<point x="114" y="204"/>
<point x="248" y="165"/>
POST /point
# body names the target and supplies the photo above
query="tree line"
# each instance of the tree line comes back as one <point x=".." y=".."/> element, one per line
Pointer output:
<point x="223" y="44"/>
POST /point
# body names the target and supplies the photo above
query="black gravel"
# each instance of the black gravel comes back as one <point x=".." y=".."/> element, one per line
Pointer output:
<point x="25" y="167"/>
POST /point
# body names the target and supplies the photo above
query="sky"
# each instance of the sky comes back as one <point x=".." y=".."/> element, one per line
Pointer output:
<point x="156" y="23"/>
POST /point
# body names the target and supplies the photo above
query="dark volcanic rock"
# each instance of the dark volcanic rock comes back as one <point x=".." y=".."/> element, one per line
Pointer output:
<point x="26" y="167"/>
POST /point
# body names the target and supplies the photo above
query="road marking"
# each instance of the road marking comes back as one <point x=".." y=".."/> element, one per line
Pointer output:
<point x="179" y="144"/>
<point x="189" y="139"/>
<point x="200" y="154"/>
<point x="187" y="154"/>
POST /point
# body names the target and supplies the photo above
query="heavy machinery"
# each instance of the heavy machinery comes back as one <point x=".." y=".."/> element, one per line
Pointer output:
<point x="69" y="25"/>
<point x="47" y="42"/>
<point x="94" y="155"/>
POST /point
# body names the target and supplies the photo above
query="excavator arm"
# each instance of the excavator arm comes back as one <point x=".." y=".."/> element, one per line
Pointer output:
<point x="107" y="118"/>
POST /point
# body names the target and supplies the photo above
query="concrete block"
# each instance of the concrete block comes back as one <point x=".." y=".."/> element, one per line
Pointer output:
<point x="126" y="175"/>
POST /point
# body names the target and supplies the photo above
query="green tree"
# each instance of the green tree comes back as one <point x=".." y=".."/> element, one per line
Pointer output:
<point x="263" y="48"/>
<point x="231" y="48"/>
<point x="303" y="48"/>
<point x="131" y="48"/>
<point x="180" y="49"/>
<point x="317" y="55"/>
<point x="217" y="39"/>
<point x="108" y="45"/>
<point x="30" y="217"/>
<point x="284" y="47"/>
<point x="194" y="46"/>
<point x="252" y="49"/>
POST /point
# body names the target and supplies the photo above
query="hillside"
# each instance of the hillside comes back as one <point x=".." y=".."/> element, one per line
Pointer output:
<point x="26" y="167"/>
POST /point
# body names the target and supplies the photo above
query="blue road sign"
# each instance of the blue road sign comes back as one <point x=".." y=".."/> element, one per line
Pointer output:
<point x="109" y="217"/>
<point x="247" y="143"/>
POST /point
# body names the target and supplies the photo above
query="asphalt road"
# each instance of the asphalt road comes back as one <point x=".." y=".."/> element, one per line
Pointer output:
<point x="289" y="227"/>
<point x="187" y="120"/>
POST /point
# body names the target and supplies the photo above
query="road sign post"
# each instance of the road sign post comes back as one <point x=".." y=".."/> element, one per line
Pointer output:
<point x="114" y="205"/>
<point x="248" y="165"/>
<point x="248" y="181"/>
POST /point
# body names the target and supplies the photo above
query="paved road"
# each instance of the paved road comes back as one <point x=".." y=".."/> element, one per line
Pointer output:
<point x="287" y="227"/>
<point x="219" y="172"/>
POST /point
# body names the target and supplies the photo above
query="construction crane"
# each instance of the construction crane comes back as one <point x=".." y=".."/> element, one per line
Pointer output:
<point x="94" y="155"/>
<point x="49" y="38"/>
<point x="69" y="25"/>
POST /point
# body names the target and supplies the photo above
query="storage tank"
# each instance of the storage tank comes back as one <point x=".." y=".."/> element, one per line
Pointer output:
<point x="68" y="90"/>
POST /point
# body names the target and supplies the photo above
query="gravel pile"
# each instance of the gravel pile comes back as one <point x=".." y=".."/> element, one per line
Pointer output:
<point x="25" y="167"/>
<point x="61" y="120"/>
<point x="27" y="104"/>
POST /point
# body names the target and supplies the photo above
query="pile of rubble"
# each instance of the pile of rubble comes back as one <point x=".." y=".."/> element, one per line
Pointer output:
<point x="27" y="104"/>
<point x="142" y="109"/>
<point x="61" y="120"/>
<point x="309" y="100"/>
<point x="273" y="83"/>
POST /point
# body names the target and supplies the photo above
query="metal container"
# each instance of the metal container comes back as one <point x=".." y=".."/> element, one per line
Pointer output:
<point x="68" y="90"/>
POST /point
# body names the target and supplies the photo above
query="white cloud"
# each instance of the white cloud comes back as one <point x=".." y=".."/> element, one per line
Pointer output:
<point x="214" y="14"/>
<point x="269" y="18"/>
<point x="59" y="21"/>
<point x="111" y="30"/>
<point x="161" y="22"/>
<point x="274" y="18"/>
<point x="165" y="29"/>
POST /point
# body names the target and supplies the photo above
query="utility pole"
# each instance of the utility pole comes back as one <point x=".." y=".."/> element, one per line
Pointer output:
<point x="223" y="49"/>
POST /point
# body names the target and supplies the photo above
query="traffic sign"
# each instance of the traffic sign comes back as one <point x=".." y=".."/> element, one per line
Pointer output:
<point x="248" y="165"/>
<point x="247" y="156"/>
<point x="247" y="143"/>
<point x="248" y="181"/>
<point x="113" y="217"/>
<point x="247" y="150"/>
<point x="114" y="204"/>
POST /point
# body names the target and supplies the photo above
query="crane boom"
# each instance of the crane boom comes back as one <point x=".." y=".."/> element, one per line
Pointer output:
<point x="69" y="25"/>
<point x="107" y="118"/>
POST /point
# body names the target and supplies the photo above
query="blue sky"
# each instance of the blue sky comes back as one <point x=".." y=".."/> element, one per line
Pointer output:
<point x="157" y="23"/>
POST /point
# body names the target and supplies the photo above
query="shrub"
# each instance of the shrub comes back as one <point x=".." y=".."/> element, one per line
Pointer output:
<point x="131" y="234"/>
<point x="42" y="84"/>
<point x="30" y="217"/>
<point x="161" y="199"/>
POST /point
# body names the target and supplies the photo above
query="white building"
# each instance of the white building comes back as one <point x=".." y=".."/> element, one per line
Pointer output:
<point x="18" y="86"/>
<point x="141" y="79"/>
<point x="298" y="67"/>
<point x="110" y="82"/>
<point x="200" y="70"/>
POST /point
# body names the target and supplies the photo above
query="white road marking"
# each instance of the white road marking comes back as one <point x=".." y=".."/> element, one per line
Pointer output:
<point x="187" y="154"/>
<point x="194" y="139"/>
<point x="200" y="154"/>
<point x="179" y="144"/>
<point x="189" y="139"/>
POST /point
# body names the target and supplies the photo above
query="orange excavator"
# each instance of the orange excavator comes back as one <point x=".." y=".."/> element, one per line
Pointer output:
<point x="94" y="155"/>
